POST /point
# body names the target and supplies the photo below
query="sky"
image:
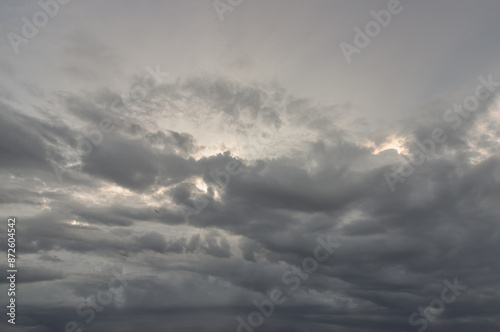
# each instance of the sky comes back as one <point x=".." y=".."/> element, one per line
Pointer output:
<point x="251" y="165"/>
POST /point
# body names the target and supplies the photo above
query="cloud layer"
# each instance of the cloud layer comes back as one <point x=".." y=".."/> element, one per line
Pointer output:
<point x="178" y="206"/>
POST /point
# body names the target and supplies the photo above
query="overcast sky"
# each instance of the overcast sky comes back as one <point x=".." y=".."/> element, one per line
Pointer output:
<point x="173" y="164"/>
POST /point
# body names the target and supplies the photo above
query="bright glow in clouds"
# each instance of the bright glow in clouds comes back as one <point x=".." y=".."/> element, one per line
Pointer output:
<point x="201" y="185"/>
<point x="77" y="223"/>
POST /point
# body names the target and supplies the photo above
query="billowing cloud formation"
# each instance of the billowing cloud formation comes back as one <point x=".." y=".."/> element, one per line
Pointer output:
<point x="187" y="207"/>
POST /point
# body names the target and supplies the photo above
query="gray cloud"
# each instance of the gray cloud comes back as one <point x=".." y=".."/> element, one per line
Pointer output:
<point x="312" y="139"/>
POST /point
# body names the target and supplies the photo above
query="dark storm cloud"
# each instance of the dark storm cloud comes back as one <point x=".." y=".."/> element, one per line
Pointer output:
<point x="266" y="89"/>
<point x="127" y="163"/>
<point x="40" y="274"/>
<point x="396" y="248"/>
<point x="19" y="143"/>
